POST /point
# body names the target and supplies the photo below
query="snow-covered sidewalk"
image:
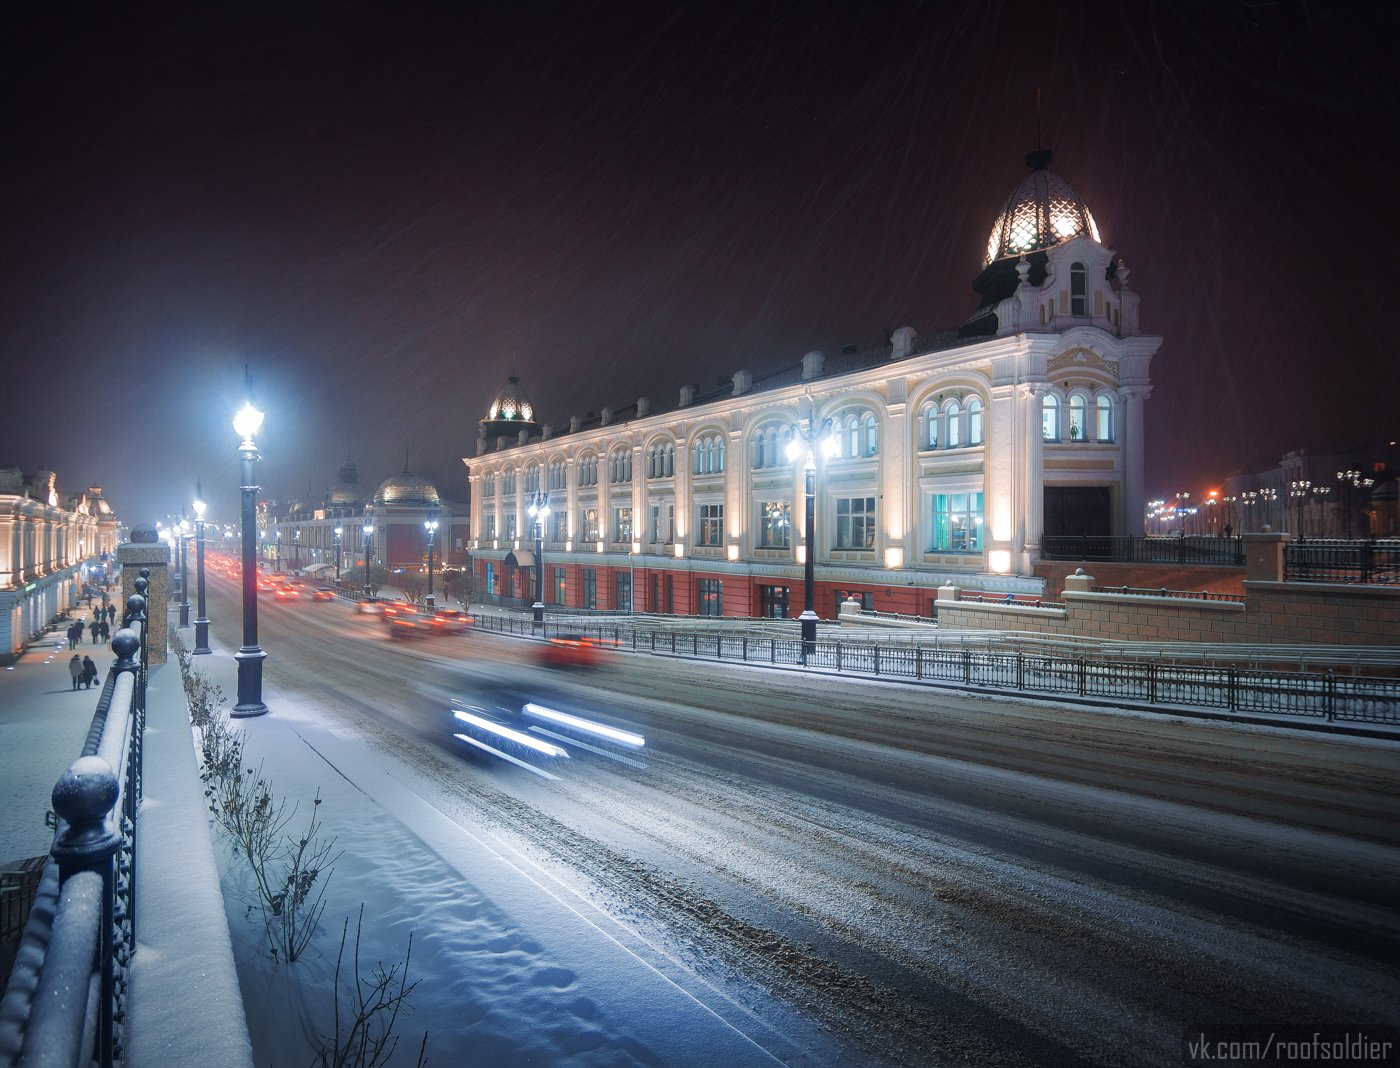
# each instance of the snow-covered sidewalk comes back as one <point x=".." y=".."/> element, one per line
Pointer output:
<point x="515" y="966"/>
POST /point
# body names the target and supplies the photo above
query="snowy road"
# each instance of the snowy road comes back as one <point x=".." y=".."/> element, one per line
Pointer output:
<point x="929" y="878"/>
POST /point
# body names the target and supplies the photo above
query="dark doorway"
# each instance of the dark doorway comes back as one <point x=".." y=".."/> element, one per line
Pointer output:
<point x="1074" y="511"/>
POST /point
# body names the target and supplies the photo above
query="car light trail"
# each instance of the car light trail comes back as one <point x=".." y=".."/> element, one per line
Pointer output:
<point x="506" y="756"/>
<point x="591" y="748"/>
<point x="543" y="748"/>
<point x="578" y="724"/>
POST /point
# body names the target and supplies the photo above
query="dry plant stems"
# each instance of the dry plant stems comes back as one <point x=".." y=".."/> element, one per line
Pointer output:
<point x="290" y="873"/>
<point x="364" y="1034"/>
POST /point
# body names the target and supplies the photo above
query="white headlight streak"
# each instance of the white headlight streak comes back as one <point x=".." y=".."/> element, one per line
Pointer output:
<point x="585" y="725"/>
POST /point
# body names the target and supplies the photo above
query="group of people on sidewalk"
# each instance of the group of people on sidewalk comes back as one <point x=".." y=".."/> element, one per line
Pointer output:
<point x="83" y="671"/>
<point x="100" y="626"/>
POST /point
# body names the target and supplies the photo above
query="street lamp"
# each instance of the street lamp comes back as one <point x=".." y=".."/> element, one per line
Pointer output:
<point x="296" y="549"/>
<point x="249" y="656"/>
<point x="1320" y="496"/>
<point x="368" y="529"/>
<point x="809" y="441"/>
<point x="430" y="525"/>
<point x="339" y="530"/>
<point x="1298" y="490"/>
<point x="184" y="572"/>
<point x="201" y="623"/>
<point x="539" y="512"/>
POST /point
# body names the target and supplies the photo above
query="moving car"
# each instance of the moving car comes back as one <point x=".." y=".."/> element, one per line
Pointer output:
<point x="413" y="624"/>
<point x="571" y="651"/>
<point x="324" y="593"/>
<point x="287" y="593"/>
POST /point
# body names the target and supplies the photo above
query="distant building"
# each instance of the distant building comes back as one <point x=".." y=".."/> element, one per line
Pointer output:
<point x="1339" y="493"/>
<point x="302" y="537"/>
<point x="49" y="550"/>
<point x="956" y="453"/>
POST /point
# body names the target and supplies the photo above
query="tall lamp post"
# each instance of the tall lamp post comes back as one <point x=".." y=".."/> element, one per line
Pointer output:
<point x="430" y="525"/>
<point x="201" y="622"/>
<point x="184" y="572"/>
<point x="249" y="656"/>
<point x="296" y="549"/>
<point x="539" y="512"/>
<point x="810" y="441"/>
<point x="1320" y="496"/>
<point x="339" y="530"/>
<point x="368" y="530"/>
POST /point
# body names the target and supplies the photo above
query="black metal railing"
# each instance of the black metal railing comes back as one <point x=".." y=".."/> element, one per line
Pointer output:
<point x="1195" y="549"/>
<point x="1190" y="595"/>
<point x="65" y="1002"/>
<point x="1317" y="695"/>
<point x="1375" y="561"/>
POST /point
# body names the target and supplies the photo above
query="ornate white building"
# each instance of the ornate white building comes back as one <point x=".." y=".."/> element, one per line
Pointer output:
<point x="47" y="550"/>
<point x="955" y="453"/>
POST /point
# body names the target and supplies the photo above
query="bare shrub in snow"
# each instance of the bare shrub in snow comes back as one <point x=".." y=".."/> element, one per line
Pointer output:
<point x="363" y="1035"/>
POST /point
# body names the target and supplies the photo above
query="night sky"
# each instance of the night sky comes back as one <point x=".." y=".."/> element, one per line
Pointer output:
<point x="385" y="210"/>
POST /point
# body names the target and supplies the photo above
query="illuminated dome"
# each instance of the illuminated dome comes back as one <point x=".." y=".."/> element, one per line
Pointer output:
<point x="1042" y="212"/>
<point x="511" y="405"/>
<point x="346" y="489"/>
<point x="407" y="489"/>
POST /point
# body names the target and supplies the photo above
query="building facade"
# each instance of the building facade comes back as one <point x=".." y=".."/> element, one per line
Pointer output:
<point x="49" y="550"/>
<point x="942" y="457"/>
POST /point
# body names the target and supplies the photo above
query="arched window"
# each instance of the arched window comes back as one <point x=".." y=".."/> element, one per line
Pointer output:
<point x="558" y="475"/>
<point x="532" y="478"/>
<point x="1103" y="417"/>
<point x="508" y="482"/>
<point x="709" y="455"/>
<point x="852" y="436"/>
<point x="620" y="466"/>
<point x="872" y="435"/>
<point x="1077" y="417"/>
<point x="974" y="421"/>
<point x="653" y="462"/>
<point x="1050" y="417"/>
<point x="770" y="446"/>
<point x="668" y="467"/>
<point x="928" y="425"/>
<point x="1078" y="287"/>
<point x="952" y="421"/>
<point x="488" y="484"/>
<point x="588" y="470"/>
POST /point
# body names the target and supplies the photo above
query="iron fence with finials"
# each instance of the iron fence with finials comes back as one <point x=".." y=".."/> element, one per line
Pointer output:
<point x="65" y="1002"/>
<point x="1060" y="674"/>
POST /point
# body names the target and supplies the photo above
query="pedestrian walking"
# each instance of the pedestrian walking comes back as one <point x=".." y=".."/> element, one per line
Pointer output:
<point x="111" y="613"/>
<point x="104" y="630"/>
<point x="95" y="627"/>
<point x="89" y="672"/>
<point x="74" y="633"/>
<point x="75" y="668"/>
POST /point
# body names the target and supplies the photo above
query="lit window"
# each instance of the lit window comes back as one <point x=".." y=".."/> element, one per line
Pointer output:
<point x="1103" y="417"/>
<point x="957" y="522"/>
<point x="974" y="421"/>
<point x="775" y="524"/>
<point x="1077" y="420"/>
<point x="711" y="525"/>
<point x="1077" y="288"/>
<point x="855" y="523"/>
<point x="952" y="421"/>
<point x="1050" y="417"/>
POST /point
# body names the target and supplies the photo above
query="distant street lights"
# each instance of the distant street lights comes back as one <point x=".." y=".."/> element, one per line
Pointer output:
<point x="539" y="512"/>
<point x="430" y="525"/>
<point x="339" y="530"/>
<point x="1299" y="491"/>
<point x="811" y="440"/>
<point x="1320" y="496"/>
<point x="1351" y="483"/>
<point x="201" y="623"/>
<point x="368" y="530"/>
<point x="249" y="656"/>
